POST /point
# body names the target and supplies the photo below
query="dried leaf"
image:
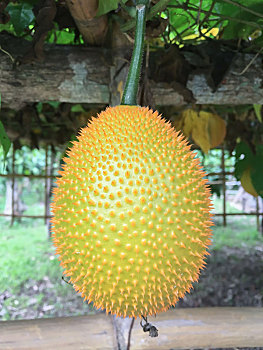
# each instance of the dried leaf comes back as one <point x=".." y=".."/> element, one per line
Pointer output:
<point x="216" y="129"/>
<point x="120" y="88"/>
<point x="200" y="134"/>
<point x="207" y="130"/>
<point x="187" y="121"/>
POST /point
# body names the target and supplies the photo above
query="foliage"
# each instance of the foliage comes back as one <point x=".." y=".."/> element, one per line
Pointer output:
<point x="27" y="161"/>
<point x="233" y="19"/>
<point x="4" y="139"/>
<point x="107" y="6"/>
<point x="212" y="161"/>
<point x="189" y="21"/>
<point x="21" y="16"/>
<point x="252" y="161"/>
<point x="257" y="109"/>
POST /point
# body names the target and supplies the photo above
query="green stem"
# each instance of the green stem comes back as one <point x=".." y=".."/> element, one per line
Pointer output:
<point x="131" y="87"/>
<point x="161" y="5"/>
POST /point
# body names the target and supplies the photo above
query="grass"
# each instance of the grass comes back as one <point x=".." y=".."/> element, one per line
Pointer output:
<point x="235" y="236"/>
<point x="240" y="230"/>
<point x="25" y="253"/>
<point x="30" y="283"/>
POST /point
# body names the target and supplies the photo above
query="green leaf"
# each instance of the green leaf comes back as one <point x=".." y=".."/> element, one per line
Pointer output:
<point x="259" y="150"/>
<point x="257" y="175"/>
<point x="77" y="108"/>
<point x="4" y="140"/>
<point x="21" y="15"/>
<point x="242" y="149"/>
<point x="244" y="23"/>
<point x="251" y="161"/>
<point x="257" y="109"/>
<point x="181" y="20"/>
<point x="8" y="27"/>
<point x="54" y="104"/>
<point x="39" y="107"/>
<point x="106" y="6"/>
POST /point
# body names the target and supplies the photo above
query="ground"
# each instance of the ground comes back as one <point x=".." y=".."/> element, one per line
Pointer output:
<point x="233" y="277"/>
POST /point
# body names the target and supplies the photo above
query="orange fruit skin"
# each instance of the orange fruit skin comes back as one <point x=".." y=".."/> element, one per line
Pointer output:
<point x="131" y="213"/>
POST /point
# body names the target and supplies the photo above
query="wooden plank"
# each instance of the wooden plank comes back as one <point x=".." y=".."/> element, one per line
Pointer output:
<point x="217" y="327"/>
<point x="178" y="329"/>
<point x="75" y="333"/>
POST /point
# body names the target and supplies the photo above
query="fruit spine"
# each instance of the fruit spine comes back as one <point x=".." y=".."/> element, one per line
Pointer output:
<point x="131" y="213"/>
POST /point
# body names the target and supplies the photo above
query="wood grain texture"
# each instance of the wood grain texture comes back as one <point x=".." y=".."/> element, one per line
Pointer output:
<point x="94" y="332"/>
<point x="218" y="327"/>
<point x="90" y="75"/>
<point x="67" y="74"/>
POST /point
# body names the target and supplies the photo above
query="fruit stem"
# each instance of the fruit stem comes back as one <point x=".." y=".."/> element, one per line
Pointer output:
<point x="132" y="83"/>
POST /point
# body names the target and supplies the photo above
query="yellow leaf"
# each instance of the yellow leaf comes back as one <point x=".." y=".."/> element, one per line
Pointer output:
<point x="207" y="130"/>
<point x="213" y="31"/>
<point x="200" y="133"/>
<point x="216" y="129"/>
<point x="187" y="121"/>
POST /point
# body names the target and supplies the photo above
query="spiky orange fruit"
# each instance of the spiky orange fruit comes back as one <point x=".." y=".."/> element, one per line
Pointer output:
<point x="131" y="213"/>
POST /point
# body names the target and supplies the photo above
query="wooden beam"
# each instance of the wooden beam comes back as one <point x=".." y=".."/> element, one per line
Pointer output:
<point x="67" y="74"/>
<point x="218" y="327"/>
<point x="86" y="75"/>
<point x="94" y="332"/>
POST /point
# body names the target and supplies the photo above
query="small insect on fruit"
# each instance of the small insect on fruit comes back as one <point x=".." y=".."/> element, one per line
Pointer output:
<point x="131" y="213"/>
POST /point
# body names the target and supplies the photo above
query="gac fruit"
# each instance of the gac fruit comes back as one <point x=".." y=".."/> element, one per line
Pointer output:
<point x="131" y="213"/>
